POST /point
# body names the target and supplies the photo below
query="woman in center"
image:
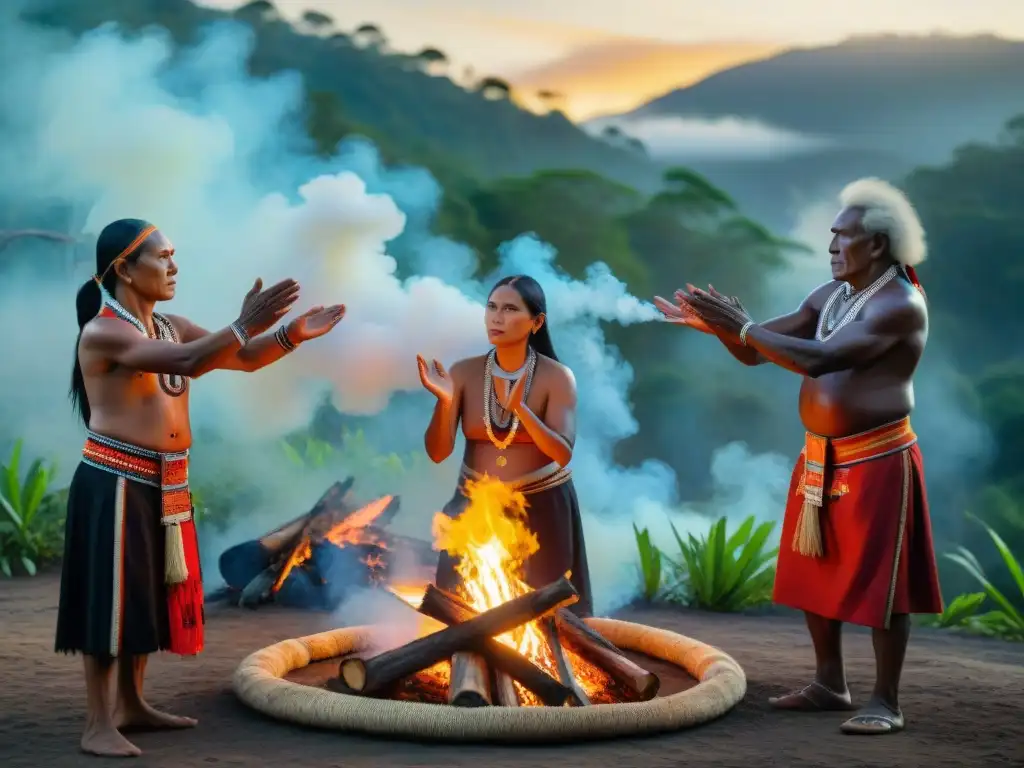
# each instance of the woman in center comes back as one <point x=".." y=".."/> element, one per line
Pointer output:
<point x="517" y="405"/>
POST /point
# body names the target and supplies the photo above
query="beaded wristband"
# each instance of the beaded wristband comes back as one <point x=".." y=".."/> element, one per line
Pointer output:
<point x="281" y="334"/>
<point x="743" y="331"/>
<point x="240" y="334"/>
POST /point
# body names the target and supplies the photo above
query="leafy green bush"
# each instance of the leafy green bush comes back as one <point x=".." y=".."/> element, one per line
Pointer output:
<point x="1007" y="620"/>
<point x="716" y="572"/>
<point x="31" y="528"/>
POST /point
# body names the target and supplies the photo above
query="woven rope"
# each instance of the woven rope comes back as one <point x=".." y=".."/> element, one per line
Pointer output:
<point x="258" y="683"/>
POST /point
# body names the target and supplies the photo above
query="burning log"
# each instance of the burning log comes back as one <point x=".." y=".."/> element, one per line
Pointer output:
<point x="449" y="609"/>
<point x="565" y="673"/>
<point x="598" y="650"/>
<point x="375" y="674"/>
<point x="505" y="692"/>
<point x="470" y="684"/>
<point x="249" y="561"/>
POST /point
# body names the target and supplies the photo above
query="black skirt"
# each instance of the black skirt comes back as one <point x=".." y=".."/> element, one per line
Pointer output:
<point x="554" y="517"/>
<point x="113" y="601"/>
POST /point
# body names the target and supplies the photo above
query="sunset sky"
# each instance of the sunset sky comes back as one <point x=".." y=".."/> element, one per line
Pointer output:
<point x="611" y="56"/>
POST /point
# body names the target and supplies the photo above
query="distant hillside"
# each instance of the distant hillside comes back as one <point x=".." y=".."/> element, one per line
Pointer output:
<point x="919" y="96"/>
<point x="388" y="94"/>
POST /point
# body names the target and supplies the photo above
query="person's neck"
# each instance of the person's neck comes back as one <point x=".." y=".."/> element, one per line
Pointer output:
<point x="511" y="358"/>
<point x="141" y="309"/>
<point x="877" y="268"/>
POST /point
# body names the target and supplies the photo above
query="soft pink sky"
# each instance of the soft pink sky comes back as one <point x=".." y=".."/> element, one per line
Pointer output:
<point x="604" y="58"/>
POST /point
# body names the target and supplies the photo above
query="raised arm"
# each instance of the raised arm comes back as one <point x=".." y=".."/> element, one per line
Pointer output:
<point x="266" y="349"/>
<point x="555" y="435"/>
<point x="439" y="439"/>
<point x="121" y="343"/>
<point x="117" y="341"/>
<point x="887" y="320"/>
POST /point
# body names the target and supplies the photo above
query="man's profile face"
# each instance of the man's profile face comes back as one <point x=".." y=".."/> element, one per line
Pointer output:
<point x="851" y="248"/>
<point x="152" y="274"/>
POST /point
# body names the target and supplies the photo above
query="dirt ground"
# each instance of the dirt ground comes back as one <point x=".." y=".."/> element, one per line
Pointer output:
<point x="964" y="701"/>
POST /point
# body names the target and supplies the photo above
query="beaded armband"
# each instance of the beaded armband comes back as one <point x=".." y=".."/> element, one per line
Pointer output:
<point x="281" y="334"/>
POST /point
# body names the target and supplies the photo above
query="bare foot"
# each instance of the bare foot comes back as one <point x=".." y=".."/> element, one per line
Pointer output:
<point x="876" y="719"/>
<point x="107" y="742"/>
<point x="814" y="698"/>
<point x="143" y="717"/>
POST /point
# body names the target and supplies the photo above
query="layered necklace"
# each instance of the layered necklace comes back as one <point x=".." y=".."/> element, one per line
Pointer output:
<point x="495" y="415"/>
<point x="832" y="318"/>
<point x="171" y="383"/>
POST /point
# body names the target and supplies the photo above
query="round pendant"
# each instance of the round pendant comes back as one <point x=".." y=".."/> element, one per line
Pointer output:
<point x="501" y="461"/>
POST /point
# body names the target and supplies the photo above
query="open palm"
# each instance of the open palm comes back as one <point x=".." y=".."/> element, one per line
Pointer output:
<point x="315" y="322"/>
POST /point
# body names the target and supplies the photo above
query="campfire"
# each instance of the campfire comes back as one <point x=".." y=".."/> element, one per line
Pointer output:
<point x="494" y="640"/>
<point x="315" y="560"/>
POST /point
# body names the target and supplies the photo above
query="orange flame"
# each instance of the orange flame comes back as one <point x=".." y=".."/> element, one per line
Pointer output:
<point x="492" y="541"/>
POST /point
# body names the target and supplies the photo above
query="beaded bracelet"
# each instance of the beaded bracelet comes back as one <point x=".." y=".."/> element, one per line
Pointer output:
<point x="743" y="331"/>
<point x="240" y="334"/>
<point x="281" y="334"/>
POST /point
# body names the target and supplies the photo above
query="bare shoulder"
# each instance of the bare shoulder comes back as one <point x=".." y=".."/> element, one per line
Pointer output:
<point x="898" y="304"/>
<point x="555" y="372"/>
<point x="468" y="367"/>
<point x="104" y="330"/>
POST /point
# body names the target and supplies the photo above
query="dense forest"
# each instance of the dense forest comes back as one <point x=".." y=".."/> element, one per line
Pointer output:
<point x="506" y="171"/>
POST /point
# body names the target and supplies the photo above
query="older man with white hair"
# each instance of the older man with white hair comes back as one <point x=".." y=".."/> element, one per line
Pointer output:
<point x="857" y="542"/>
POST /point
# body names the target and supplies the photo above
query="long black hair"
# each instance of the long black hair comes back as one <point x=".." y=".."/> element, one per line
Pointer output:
<point x="119" y="241"/>
<point x="536" y="302"/>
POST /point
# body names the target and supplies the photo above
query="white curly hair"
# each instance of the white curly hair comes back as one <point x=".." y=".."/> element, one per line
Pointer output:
<point x="887" y="211"/>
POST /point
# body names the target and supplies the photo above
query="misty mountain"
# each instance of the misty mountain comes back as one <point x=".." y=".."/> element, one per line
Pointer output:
<point x="917" y="96"/>
<point x="799" y="124"/>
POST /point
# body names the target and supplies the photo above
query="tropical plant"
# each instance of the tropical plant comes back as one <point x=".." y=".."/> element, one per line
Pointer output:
<point x="1007" y="620"/>
<point x="650" y="563"/>
<point x="725" y="573"/>
<point x="961" y="613"/>
<point x="29" y="524"/>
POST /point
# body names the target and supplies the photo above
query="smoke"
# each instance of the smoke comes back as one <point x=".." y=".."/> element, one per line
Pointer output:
<point x="119" y="127"/>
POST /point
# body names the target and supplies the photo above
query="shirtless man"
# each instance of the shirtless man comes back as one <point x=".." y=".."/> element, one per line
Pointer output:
<point x="856" y="539"/>
<point x="131" y="581"/>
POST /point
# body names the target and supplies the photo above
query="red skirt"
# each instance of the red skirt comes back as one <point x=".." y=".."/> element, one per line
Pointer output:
<point x="877" y="538"/>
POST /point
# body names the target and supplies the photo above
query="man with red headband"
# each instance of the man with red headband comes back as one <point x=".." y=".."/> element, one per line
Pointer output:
<point x="856" y="539"/>
<point x="131" y="582"/>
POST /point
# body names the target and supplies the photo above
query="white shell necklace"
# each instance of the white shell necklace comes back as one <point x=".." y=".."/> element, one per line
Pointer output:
<point x="825" y="333"/>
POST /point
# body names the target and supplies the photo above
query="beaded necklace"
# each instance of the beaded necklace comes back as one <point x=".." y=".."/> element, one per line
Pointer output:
<point x="829" y="325"/>
<point x="491" y="404"/>
<point x="173" y="384"/>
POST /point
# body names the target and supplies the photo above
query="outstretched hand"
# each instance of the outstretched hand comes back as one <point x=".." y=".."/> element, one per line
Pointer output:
<point x="315" y="322"/>
<point x="681" y="313"/>
<point x="719" y="312"/>
<point x="436" y="380"/>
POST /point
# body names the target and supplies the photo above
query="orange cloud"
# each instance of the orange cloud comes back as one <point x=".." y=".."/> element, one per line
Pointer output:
<point x="619" y="75"/>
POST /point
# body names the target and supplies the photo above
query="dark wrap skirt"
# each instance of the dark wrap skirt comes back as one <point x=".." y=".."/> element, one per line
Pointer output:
<point x="113" y="600"/>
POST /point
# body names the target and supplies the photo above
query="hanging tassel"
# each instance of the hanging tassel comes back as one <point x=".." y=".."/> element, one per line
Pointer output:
<point x="807" y="537"/>
<point x="175" y="567"/>
<point x="185" y="610"/>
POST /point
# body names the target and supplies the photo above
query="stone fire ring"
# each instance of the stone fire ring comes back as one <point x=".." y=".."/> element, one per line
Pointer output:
<point x="721" y="684"/>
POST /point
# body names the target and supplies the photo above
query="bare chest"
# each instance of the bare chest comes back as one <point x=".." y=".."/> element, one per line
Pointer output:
<point x="474" y="415"/>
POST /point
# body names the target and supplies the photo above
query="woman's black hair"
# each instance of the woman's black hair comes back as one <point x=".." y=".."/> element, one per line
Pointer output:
<point x="116" y="238"/>
<point x="536" y="302"/>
